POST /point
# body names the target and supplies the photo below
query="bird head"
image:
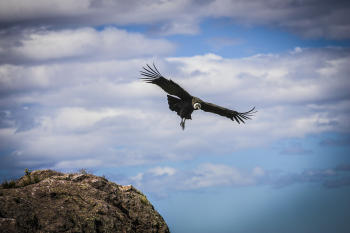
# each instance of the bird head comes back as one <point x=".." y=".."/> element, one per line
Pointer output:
<point x="197" y="106"/>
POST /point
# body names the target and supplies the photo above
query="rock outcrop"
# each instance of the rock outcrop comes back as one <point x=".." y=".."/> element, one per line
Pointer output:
<point x="50" y="201"/>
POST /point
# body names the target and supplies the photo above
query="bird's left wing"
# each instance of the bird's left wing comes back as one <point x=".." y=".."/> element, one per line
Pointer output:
<point x="233" y="115"/>
<point x="152" y="75"/>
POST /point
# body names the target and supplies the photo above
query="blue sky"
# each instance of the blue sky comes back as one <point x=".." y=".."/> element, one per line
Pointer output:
<point x="71" y="99"/>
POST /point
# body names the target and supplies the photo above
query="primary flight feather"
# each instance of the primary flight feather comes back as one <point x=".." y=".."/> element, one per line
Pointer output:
<point x="184" y="103"/>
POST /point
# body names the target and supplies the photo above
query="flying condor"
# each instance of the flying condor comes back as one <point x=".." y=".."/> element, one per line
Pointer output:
<point x="184" y="103"/>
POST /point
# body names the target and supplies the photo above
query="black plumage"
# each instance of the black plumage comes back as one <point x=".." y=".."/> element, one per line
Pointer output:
<point x="184" y="104"/>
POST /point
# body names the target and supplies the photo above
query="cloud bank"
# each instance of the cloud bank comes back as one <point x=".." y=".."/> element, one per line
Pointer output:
<point x="312" y="19"/>
<point x="58" y="114"/>
<point x="208" y="175"/>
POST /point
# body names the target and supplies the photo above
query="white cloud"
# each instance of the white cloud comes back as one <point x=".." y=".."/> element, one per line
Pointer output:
<point x="81" y="163"/>
<point x="83" y="43"/>
<point x="159" y="171"/>
<point x="218" y="43"/>
<point x="258" y="171"/>
<point x="209" y="175"/>
<point x="77" y="118"/>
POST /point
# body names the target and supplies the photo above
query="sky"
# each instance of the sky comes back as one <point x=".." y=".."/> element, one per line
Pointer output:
<point x="71" y="99"/>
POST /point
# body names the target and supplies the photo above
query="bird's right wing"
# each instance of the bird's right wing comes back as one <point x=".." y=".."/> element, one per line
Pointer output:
<point x="232" y="114"/>
<point x="152" y="75"/>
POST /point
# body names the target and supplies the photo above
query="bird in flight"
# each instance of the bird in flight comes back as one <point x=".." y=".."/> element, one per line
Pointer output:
<point x="184" y="104"/>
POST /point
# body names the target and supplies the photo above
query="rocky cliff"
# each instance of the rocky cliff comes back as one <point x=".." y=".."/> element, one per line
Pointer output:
<point x="50" y="201"/>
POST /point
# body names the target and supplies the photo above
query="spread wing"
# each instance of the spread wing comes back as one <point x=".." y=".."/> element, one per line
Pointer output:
<point x="233" y="115"/>
<point x="152" y="75"/>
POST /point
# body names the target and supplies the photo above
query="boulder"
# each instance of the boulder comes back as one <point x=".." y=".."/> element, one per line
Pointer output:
<point x="50" y="201"/>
